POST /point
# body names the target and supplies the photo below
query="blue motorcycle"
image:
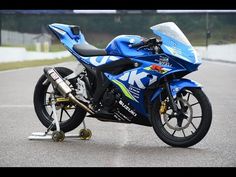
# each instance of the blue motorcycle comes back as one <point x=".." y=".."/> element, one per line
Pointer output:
<point x="133" y="80"/>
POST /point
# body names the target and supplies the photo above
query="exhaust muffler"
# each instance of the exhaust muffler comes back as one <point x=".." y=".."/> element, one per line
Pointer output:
<point x="59" y="84"/>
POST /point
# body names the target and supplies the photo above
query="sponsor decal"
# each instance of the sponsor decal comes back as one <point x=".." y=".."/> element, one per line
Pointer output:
<point x="97" y="61"/>
<point x="135" y="82"/>
<point x="135" y="78"/>
<point x="164" y="61"/>
<point x="121" y="116"/>
<point x="159" y="69"/>
<point x="124" y="90"/>
<point x="134" y="91"/>
<point x="176" y="52"/>
<point x="127" y="108"/>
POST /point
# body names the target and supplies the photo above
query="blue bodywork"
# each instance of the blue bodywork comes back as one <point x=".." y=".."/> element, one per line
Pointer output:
<point x="121" y="46"/>
<point x="176" y="57"/>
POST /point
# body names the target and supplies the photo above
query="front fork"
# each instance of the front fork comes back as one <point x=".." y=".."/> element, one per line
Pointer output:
<point x="176" y="112"/>
<point x="172" y="102"/>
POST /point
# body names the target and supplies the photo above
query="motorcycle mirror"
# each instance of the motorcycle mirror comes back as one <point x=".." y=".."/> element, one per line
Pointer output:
<point x="75" y="29"/>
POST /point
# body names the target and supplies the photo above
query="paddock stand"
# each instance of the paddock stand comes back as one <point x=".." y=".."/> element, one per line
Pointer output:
<point x="58" y="135"/>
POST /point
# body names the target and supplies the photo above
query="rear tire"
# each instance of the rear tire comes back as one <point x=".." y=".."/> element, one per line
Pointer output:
<point x="167" y="133"/>
<point x="44" y="116"/>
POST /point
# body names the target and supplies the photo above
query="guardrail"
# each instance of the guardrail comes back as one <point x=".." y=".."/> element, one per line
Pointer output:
<point x="225" y="53"/>
<point x="10" y="54"/>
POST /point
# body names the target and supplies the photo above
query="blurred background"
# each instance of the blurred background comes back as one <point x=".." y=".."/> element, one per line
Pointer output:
<point x="27" y="30"/>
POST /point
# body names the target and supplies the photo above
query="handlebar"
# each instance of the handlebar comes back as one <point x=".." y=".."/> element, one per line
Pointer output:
<point x="143" y="42"/>
<point x="147" y="43"/>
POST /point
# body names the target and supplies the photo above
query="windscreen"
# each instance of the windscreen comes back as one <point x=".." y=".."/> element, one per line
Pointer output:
<point x="171" y="30"/>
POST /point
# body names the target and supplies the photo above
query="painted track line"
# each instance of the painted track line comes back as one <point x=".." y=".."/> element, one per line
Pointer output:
<point x="17" y="106"/>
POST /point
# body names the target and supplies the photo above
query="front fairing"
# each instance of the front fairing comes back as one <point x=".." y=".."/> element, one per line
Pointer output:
<point x="175" y="43"/>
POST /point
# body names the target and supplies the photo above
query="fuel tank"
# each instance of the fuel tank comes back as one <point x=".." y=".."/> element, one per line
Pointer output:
<point x="122" y="46"/>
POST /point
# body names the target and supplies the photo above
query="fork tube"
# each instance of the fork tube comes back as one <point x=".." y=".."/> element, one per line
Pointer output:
<point x="172" y="103"/>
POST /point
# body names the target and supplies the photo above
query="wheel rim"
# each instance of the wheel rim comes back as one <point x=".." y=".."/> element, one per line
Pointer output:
<point x="189" y="110"/>
<point x="65" y="109"/>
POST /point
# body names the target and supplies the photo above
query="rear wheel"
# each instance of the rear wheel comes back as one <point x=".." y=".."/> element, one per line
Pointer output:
<point x="70" y="116"/>
<point x="191" y="123"/>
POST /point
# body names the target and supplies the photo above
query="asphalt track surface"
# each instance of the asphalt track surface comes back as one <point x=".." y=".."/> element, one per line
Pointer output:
<point x="112" y="144"/>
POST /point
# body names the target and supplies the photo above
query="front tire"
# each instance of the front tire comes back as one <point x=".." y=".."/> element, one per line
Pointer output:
<point x="193" y="124"/>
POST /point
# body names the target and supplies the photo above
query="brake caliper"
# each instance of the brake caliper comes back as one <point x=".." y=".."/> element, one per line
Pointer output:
<point x="163" y="107"/>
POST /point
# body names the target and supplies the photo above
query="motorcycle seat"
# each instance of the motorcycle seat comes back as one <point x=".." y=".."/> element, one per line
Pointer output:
<point x="88" y="50"/>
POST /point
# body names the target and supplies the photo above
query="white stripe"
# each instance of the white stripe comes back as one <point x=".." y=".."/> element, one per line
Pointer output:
<point x="94" y="11"/>
<point x="195" y="11"/>
<point x="17" y="106"/>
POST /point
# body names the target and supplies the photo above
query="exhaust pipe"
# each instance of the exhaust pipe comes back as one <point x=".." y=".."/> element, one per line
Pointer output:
<point x="59" y="84"/>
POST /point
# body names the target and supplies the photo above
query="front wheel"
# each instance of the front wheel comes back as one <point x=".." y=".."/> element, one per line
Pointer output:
<point x="190" y="125"/>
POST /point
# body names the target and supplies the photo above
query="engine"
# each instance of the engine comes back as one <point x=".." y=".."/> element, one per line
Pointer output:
<point x="114" y="103"/>
<point x="109" y="99"/>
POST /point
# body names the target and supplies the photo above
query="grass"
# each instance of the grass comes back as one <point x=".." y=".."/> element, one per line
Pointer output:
<point x="34" y="63"/>
<point x="53" y="48"/>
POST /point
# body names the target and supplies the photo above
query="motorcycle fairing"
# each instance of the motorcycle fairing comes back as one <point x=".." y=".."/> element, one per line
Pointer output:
<point x="132" y="83"/>
<point x="68" y="39"/>
<point x="121" y="46"/>
<point x="175" y="42"/>
<point x="64" y="34"/>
